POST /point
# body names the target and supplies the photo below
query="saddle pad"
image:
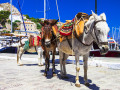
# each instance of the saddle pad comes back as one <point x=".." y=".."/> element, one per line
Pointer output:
<point x="66" y="29"/>
<point x="26" y="46"/>
<point x="55" y="29"/>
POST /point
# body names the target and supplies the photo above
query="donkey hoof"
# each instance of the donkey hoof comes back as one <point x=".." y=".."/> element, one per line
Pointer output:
<point x="66" y="77"/>
<point x="40" y="65"/>
<point x="87" y="84"/>
<point x="45" y="74"/>
<point x="54" y="74"/>
<point x="77" y="85"/>
<point x="20" y="64"/>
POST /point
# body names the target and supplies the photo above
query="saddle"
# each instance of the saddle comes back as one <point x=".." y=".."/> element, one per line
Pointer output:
<point x="75" y="25"/>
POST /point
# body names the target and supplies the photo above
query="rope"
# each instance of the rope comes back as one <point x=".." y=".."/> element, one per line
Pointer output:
<point x="58" y="11"/>
<point x="22" y="16"/>
<point x="22" y="4"/>
<point x="48" y="5"/>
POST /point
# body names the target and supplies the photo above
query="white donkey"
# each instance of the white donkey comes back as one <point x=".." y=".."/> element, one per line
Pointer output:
<point x="21" y="50"/>
<point x="96" y="29"/>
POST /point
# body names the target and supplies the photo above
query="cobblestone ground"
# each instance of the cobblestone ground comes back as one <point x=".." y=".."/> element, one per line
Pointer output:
<point x="30" y="77"/>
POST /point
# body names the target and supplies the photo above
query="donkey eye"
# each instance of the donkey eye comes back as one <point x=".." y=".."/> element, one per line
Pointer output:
<point x="98" y="31"/>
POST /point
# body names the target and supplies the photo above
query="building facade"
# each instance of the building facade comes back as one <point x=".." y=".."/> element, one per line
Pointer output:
<point x="30" y="26"/>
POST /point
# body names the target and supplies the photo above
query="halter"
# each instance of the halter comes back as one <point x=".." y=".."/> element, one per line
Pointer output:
<point x="105" y="43"/>
<point x="52" y="40"/>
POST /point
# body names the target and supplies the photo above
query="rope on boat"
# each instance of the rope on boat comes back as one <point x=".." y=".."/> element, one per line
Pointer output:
<point x="22" y="16"/>
<point x="58" y="10"/>
<point x="22" y="4"/>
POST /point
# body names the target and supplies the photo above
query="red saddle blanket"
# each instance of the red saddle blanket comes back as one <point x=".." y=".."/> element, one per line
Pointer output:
<point x="34" y="40"/>
<point x="67" y="28"/>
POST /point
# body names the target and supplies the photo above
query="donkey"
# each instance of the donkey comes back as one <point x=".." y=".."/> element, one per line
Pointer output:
<point x="36" y="48"/>
<point x="49" y="43"/>
<point x="95" y="29"/>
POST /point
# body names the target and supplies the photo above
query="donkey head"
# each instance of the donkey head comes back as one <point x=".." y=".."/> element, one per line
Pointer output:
<point x="47" y="31"/>
<point x="100" y="30"/>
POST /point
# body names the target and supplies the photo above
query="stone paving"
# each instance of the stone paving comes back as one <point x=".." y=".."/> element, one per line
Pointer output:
<point x="30" y="76"/>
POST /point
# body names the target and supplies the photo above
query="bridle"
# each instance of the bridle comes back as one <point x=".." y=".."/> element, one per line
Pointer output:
<point x="95" y="22"/>
<point x="53" y="38"/>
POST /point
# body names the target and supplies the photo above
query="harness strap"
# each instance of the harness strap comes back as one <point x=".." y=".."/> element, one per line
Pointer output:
<point x="35" y="49"/>
<point x="69" y="42"/>
<point x="81" y="41"/>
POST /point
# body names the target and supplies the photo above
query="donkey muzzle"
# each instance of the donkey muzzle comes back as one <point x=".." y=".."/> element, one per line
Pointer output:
<point x="104" y="49"/>
<point x="47" y="43"/>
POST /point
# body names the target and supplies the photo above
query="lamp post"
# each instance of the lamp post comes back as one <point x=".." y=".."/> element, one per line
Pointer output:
<point x="44" y="9"/>
<point x="96" y="6"/>
<point x="11" y="14"/>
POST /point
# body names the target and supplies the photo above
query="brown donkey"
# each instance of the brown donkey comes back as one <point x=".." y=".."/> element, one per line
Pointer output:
<point x="49" y="43"/>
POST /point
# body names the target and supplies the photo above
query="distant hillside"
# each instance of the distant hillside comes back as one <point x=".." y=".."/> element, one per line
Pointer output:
<point x="7" y="7"/>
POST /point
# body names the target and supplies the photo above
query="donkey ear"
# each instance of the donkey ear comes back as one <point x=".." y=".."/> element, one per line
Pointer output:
<point x="103" y="16"/>
<point x="41" y="23"/>
<point x="79" y="15"/>
<point x="94" y="15"/>
<point x="54" y="22"/>
<point x="91" y="19"/>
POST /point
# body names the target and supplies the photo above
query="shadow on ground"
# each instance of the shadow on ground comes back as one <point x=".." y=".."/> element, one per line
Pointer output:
<point x="49" y="73"/>
<point x="30" y="64"/>
<point x="71" y="78"/>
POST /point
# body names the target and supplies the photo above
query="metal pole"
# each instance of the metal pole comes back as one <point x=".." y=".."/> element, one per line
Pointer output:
<point x="11" y="14"/>
<point x="44" y="9"/>
<point x="96" y="6"/>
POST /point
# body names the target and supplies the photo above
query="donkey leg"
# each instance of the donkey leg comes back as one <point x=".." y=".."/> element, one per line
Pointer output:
<point x="85" y="66"/>
<point x="40" y="53"/>
<point x="61" y="54"/>
<point x="53" y="63"/>
<point x="45" y="74"/>
<point x="46" y="62"/>
<point x="21" y="51"/>
<point x="77" y="84"/>
<point x="64" y="67"/>
<point x="18" y="50"/>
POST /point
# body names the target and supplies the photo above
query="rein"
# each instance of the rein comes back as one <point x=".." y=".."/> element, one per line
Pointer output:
<point x="81" y="40"/>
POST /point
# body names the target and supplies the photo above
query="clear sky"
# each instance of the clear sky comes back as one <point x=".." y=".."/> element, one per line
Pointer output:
<point x="69" y="8"/>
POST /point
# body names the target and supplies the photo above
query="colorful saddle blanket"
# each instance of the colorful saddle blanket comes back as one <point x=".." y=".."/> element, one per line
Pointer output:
<point x="67" y="28"/>
<point x="34" y="41"/>
<point x="78" y="23"/>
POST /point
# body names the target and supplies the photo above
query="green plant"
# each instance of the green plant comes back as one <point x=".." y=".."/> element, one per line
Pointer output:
<point x="4" y="15"/>
<point x="39" y="26"/>
<point x="17" y="21"/>
<point x="14" y="26"/>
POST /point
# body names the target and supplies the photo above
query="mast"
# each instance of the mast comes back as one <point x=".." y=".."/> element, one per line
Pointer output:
<point x="11" y="14"/>
<point x="96" y="6"/>
<point x="44" y="9"/>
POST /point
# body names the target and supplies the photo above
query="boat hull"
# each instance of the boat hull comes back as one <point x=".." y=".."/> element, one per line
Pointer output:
<point x="110" y="53"/>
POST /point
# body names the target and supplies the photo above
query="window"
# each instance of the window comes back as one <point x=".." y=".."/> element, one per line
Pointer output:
<point x="31" y="25"/>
